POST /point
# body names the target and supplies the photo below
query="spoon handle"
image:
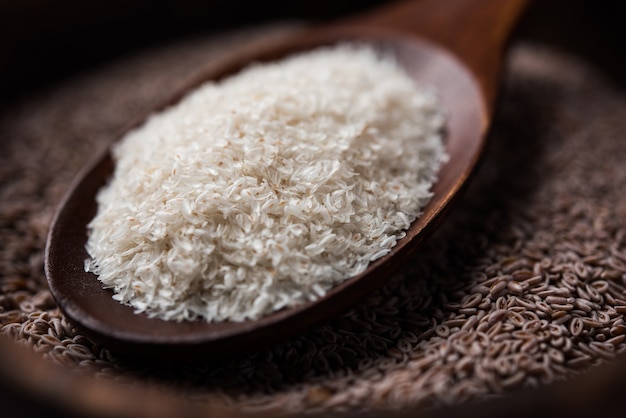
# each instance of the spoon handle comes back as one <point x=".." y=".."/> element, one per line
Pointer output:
<point x="476" y="31"/>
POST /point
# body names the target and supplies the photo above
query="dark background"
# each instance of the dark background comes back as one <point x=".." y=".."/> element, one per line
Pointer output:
<point x="42" y="41"/>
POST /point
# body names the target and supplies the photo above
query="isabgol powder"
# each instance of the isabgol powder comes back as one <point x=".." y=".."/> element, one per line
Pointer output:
<point x="264" y="190"/>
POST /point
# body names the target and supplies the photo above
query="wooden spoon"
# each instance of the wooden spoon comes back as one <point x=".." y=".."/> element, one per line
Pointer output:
<point x="461" y="59"/>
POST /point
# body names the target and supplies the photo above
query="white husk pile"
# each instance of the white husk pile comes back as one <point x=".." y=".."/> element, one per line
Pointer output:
<point x="266" y="189"/>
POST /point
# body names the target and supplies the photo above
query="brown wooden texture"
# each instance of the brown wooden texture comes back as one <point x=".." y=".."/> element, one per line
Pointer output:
<point x="466" y="87"/>
<point x="475" y="31"/>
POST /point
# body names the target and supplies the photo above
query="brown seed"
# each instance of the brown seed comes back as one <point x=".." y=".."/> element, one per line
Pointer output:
<point x="50" y="340"/>
<point x="514" y="264"/>
<point x="480" y="288"/>
<point x="516" y="319"/>
<point x="620" y="309"/>
<point x="467" y="311"/>
<point x="576" y="327"/>
<point x="485" y="304"/>
<point x="496" y="348"/>
<point x="466" y="364"/>
<point x="594" y="296"/>
<point x="602" y="317"/>
<point x="523" y="335"/>
<point x="502" y="337"/>
<point x="592" y="323"/>
<point x="495" y="329"/>
<point x="423" y="362"/>
<point x="603" y="350"/>
<point x="592" y="259"/>
<point x="618" y="330"/>
<point x="472" y="301"/>
<point x="515" y="287"/>
<point x="504" y="366"/>
<point x="556" y="355"/>
<point x="562" y="319"/>
<point x="453" y="323"/>
<point x="581" y="270"/>
<point x="442" y="331"/>
<point x="501" y="303"/>
<point x="526" y="304"/>
<point x="483" y="327"/>
<point x="617" y="340"/>
<point x="543" y="307"/>
<point x="556" y="299"/>
<point x="469" y="324"/>
<point x="522" y="274"/>
<point x="529" y="345"/>
<point x="497" y="287"/>
<point x="583" y="305"/>
<point x="545" y="293"/>
<point x="533" y="281"/>
<point x="532" y="326"/>
<point x="610" y="299"/>
<point x="600" y="286"/>
<point x="497" y="316"/>
<point x="610" y="274"/>
<point x="617" y="264"/>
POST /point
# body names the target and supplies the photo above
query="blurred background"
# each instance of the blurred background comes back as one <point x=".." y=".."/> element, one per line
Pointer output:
<point x="42" y="40"/>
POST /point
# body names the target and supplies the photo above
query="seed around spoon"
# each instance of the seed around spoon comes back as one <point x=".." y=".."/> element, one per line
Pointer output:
<point x="466" y="89"/>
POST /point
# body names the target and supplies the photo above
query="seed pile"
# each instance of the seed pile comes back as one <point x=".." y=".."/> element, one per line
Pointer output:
<point x="266" y="189"/>
<point x="525" y="284"/>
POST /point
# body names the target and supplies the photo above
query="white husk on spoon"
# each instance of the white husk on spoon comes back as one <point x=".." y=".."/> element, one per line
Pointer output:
<point x="264" y="190"/>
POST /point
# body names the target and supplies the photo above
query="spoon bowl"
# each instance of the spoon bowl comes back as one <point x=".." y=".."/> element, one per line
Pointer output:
<point x="467" y="96"/>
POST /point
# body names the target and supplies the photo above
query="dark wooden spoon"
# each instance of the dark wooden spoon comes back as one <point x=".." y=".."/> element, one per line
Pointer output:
<point x="461" y="58"/>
